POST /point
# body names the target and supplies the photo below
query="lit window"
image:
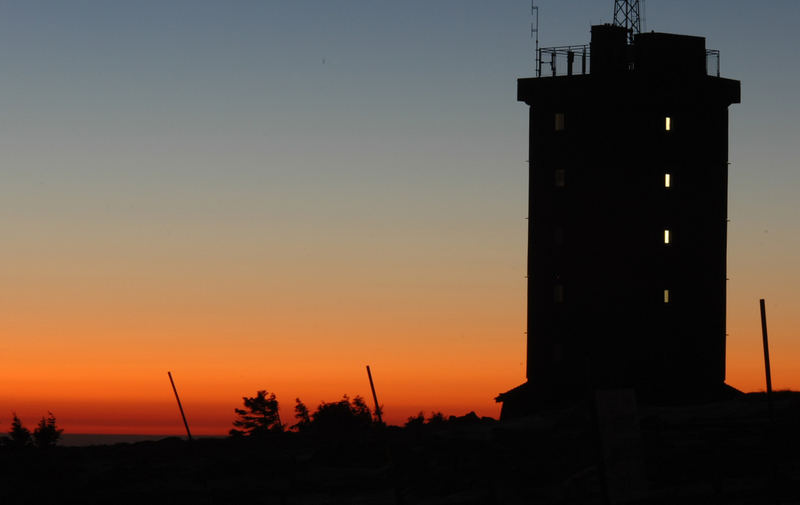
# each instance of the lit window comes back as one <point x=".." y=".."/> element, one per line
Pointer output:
<point x="559" y="121"/>
<point x="666" y="296"/>
<point x="666" y="180"/>
<point x="560" y="177"/>
<point x="666" y="236"/>
<point x="667" y="123"/>
<point x="558" y="293"/>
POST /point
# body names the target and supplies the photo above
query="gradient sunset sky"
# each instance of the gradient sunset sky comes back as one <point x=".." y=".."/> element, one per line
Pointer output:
<point x="273" y="194"/>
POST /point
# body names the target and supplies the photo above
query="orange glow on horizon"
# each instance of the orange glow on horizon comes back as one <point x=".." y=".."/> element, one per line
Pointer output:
<point x="195" y="192"/>
<point x="97" y="355"/>
<point x="91" y="390"/>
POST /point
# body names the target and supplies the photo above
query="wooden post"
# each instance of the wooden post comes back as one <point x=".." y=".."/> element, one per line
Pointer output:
<point x="374" y="396"/>
<point x="766" y="356"/>
<point x="771" y="432"/>
<point x="180" y="407"/>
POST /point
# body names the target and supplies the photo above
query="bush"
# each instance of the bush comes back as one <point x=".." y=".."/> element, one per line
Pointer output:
<point x="259" y="417"/>
<point x="344" y="416"/>
<point x="46" y="433"/>
<point x="18" y="436"/>
<point x="415" y="421"/>
<point x="302" y="416"/>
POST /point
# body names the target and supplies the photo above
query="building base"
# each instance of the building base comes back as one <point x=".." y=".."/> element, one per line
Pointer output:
<point x="527" y="399"/>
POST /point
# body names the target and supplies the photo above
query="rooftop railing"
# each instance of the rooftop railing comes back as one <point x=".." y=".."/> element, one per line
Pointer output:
<point x="571" y="60"/>
<point x="561" y="60"/>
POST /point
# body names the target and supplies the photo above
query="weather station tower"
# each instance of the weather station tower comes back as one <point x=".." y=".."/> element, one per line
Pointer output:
<point x="627" y="217"/>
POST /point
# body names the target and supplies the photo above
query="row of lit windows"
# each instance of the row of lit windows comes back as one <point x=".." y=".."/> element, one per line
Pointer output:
<point x="558" y="294"/>
<point x="560" y="182"/>
<point x="560" y="122"/>
<point x="560" y="178"/>
<point x="558" y="238"/>
<point x="558" y="235"/>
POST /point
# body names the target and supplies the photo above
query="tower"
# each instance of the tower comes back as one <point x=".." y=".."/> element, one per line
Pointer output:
<point x="627" y="14"/>
<point x="627" y="219"/>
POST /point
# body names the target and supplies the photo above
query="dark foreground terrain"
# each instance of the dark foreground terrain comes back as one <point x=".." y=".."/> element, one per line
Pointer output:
<point x="726" y="453"/>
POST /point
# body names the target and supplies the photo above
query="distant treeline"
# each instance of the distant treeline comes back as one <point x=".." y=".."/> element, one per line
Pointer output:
<point x="260" y="417"/>
<point x="46" y="433"/>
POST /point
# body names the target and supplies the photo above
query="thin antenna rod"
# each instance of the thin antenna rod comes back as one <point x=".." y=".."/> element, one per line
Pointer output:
<point x="180" y="407"/>
<point x="374" y="396"/>
<point x="643" y="14"/>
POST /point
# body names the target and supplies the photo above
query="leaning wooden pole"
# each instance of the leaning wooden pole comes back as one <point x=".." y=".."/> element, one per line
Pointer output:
<point x="771" y="432"/>
<point x="766" y="356"/>
<point x="180" y="407"/>
<point x="374" y="396"/>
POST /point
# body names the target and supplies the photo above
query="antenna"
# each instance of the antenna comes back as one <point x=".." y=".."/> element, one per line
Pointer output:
<point x="180" y="407"/>
<point x="535" y="33"/>
<point x="644" y="15"/>
<point x="374" y="396"/>
<point x="628" y="15"/>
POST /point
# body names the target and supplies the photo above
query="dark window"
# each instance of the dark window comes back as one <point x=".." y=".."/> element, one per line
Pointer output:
<point x="559" y="121"/>
<point x="560" y="177"/>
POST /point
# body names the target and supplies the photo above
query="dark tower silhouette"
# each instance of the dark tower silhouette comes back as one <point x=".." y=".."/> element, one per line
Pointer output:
<point x="627" y="218"/>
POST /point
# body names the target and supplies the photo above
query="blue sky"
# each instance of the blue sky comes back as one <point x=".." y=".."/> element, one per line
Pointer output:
<point x="318" y="158"/>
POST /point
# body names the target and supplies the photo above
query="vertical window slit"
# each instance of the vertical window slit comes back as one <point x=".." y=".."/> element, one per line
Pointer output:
<point x="558" y="293"/>
<point x="560" y="178"/>
<point x="559" y="121"/>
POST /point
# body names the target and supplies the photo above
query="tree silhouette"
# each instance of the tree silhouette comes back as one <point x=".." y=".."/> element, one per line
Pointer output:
<point x="342" y="416"/>
<point x="415" y="421"/>
<point x="302" y="416"/>
<point x="46" y="433"/>
<point x="260" y="416"/>
<point x="436" y="419"/>
<point x="18" y="436"/>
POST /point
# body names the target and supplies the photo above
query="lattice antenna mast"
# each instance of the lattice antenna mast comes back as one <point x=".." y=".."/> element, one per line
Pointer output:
<point x="628" y="15"/>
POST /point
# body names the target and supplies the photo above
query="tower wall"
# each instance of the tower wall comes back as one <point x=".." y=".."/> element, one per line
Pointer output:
<point x="598" y="265"/>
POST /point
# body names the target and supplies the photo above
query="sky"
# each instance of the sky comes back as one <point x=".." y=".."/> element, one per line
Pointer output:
<point x="272" y="195"/>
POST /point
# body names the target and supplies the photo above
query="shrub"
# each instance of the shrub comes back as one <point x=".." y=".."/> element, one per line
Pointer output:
<point x="260" y="416"/>
<point x="47" y="433"/>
